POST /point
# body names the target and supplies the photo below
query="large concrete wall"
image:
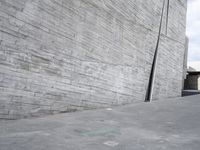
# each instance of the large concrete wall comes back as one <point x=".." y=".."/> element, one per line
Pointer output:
<point x="67" y="55"/>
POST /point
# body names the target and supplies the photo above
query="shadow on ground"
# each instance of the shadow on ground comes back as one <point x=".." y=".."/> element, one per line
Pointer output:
<point x="190" y="92"/>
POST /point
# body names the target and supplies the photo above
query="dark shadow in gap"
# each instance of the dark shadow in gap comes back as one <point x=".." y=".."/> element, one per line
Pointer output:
<point x="190" y="92"/>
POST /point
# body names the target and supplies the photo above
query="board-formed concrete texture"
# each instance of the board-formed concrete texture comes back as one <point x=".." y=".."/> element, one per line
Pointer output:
<point x="67" y="55"/>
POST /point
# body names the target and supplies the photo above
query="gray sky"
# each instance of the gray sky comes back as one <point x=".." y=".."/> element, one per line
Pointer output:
<point x="193" y="30"/>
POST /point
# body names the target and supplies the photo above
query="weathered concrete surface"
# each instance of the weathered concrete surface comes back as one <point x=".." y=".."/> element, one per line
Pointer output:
<point x="170" y="124"/>
<point x="66" y="55"/>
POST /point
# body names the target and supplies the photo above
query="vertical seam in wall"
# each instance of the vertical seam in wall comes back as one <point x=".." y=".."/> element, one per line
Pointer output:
<point x="153" y="67"/>
<point x="167" y="19"/>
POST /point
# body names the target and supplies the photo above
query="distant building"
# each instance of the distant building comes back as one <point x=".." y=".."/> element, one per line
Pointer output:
<point x="192" y="81"/>
<point x="194" y="65"/>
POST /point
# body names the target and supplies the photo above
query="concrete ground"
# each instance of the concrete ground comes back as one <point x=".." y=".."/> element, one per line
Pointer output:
<point x="170" y="124"/>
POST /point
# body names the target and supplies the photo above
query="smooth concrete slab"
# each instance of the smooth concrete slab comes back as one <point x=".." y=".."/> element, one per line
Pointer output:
<point x="166" y="124"/>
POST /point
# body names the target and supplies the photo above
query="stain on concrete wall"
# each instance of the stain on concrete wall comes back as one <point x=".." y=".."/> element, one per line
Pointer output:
<point x="67" y="55"/>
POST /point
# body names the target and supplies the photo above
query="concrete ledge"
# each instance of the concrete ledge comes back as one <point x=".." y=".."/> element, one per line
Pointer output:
<point x="190" y="92"/>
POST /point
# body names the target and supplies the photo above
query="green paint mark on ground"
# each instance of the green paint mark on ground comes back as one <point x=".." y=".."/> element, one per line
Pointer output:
<point x="100" y="132"/>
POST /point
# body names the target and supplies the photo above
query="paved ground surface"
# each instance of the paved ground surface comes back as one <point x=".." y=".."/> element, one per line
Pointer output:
<point x="170" y="124"/>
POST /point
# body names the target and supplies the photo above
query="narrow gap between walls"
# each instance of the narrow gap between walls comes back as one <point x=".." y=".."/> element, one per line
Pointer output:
<point x="153" y="67"/>
<point x="167" y="19"/>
